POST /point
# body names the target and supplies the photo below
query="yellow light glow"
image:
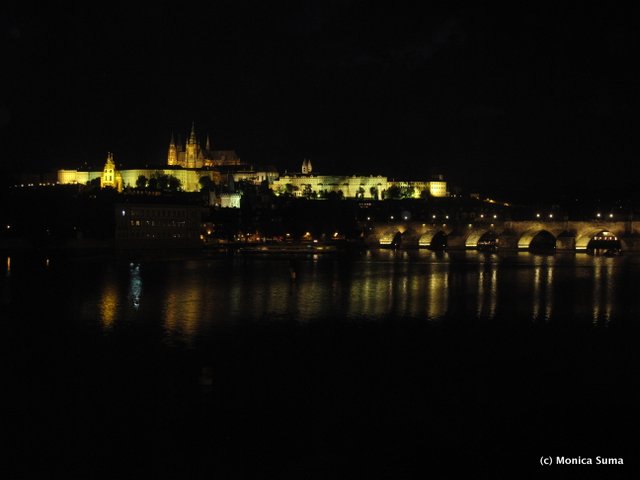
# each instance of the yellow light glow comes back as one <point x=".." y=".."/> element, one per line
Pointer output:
<point x="108" y="306"/>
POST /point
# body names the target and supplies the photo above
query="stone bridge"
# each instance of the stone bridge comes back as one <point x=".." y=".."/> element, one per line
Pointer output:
<point x="511" y="235"/>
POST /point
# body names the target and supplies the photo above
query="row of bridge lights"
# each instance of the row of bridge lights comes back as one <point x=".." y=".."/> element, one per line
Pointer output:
<point x="598" y="215"/>
<point x="538" y="215"/>
<point x="391" y="217"/>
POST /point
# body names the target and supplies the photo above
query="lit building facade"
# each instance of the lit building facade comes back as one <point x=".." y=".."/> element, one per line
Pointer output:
<point x="354" y="186"/>
<point x="189" y="178"/>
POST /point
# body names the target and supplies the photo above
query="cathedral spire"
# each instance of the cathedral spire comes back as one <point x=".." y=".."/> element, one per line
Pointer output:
<point x="192" y="137"/>
<point x="192" y="152"/>
<point x="208" y="144"/>
<point x="172" y="157"/>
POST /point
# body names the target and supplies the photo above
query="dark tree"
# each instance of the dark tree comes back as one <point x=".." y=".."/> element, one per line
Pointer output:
<point x="141" y="182"/>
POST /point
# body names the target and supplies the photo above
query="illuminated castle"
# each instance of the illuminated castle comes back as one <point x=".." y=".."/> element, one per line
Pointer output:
<point x="192" y="155"/>
<point x="189" y="163"/>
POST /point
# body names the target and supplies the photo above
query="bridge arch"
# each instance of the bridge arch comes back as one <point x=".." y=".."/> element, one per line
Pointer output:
<point x="391" y="239"/>
<point x="528" y="239"/>
<point x="475" y="236"/>
<point x="434" y="239"/>
<point x="584" y="240"/>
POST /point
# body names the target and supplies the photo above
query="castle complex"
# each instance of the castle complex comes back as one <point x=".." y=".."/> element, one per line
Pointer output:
<point x="190" y="162"/>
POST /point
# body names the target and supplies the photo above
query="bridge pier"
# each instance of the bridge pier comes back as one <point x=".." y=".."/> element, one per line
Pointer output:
<point x="507" y="242"/>
<point x="455" y="241"/>
<point x="565" y="243"/>
<point x="630" y="243"/>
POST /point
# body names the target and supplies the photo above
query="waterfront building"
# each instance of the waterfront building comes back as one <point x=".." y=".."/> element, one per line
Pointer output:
<point x="149" y="225"/>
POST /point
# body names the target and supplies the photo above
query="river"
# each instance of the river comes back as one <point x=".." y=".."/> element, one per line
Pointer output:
<point x="380" y="361"/>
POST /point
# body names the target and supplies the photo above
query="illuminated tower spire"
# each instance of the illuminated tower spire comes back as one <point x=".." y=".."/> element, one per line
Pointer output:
<point x="208" y="144"/>
<point x="306" y="166"/>
<point x="192" y="148"/>
<point x="172" y="158"/>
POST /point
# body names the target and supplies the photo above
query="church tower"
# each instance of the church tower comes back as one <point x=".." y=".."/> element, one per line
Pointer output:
<point x="172" y="158"/>
<point x="110" y="176"/>
<point x="191" y="149"/>
<point x="306" y="166"/>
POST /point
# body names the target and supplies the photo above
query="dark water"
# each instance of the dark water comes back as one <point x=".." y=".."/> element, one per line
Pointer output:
<point x="386" y="364"/>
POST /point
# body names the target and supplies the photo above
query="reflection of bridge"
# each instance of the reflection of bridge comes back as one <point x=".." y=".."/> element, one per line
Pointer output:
<point x="511" y="235"/>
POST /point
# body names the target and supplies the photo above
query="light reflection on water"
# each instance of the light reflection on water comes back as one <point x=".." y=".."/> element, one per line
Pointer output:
<point x="188" y="298"/>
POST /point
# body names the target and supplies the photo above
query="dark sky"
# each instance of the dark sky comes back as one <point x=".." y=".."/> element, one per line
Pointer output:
<point x="489" y="96"/>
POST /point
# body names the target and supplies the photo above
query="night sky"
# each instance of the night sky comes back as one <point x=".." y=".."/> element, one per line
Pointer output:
<point x="494" y="98"/>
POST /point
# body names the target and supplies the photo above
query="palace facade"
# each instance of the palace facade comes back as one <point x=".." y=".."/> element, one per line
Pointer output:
<point x="353" y="186"/>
